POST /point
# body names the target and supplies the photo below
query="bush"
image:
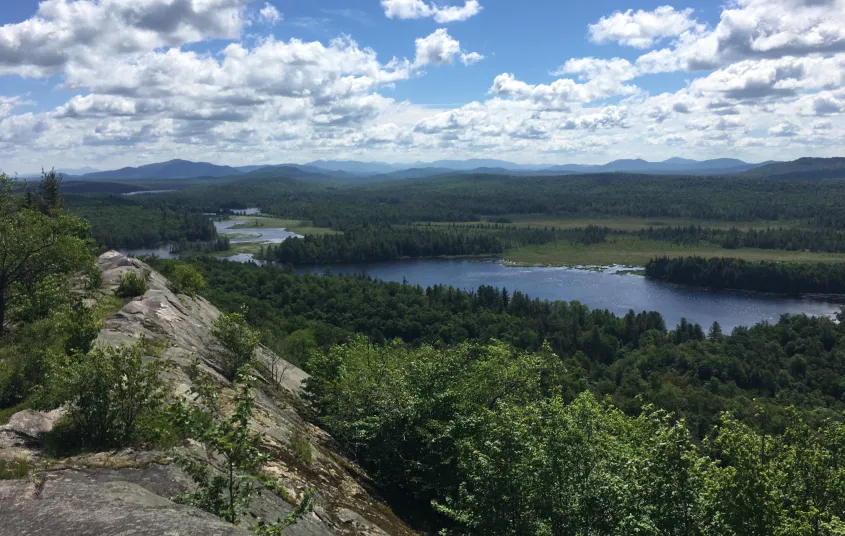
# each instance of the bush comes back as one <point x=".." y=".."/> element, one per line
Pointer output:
<point x="114" y="399"/>
<point x="186" y="279"/>
<point x="132" y="284"/>
<point x="239" y="342"/>
<point x="301" y="447"/>
<point x="226" y="493"/>
<point x="16" y="469"/>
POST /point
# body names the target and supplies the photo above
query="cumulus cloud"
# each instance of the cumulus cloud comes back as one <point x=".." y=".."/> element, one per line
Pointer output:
<point x="419" y="9"/>
<point x="641" y="29"/>
<point x="756" y="29"/>
<point x="765" y="81"/>
<point x="785" y="130"/>
<point x="64" y="31"/>
<point x="440" y="48"/>
<point x="269" y="14"/>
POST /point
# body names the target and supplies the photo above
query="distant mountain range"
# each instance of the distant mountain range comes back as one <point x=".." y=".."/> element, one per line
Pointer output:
<point x="172" y="169"/>
<point x="348" y="171"/>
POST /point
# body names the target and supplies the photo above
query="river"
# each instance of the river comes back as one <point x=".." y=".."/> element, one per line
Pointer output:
<point x="618" y="293"/>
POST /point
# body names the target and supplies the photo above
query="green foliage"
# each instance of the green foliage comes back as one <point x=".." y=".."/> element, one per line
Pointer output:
<point x="760" y="276"/>
<point x="32" y="349"/>
<point x="49" y="197"/>
<point x="37" y="250"/>
<point x="113" y="398"/>
<point x="186" y="279"/>
<point x="225" y="493"/>
<point x="94" y="277"/>
<point x="299" y="345"/>
<point x="17" y="469"/>
<point x="82" y="325"/>
<point x="379" y="243"/>
<point x="494" y="440"/>
<point x="132" y="284"/>
<point x="301" y="447"/>
<point x="120" y="222"/>
<point x="238" y="340"/>
<point x="633" y="358"/>
<point x="276" y="529"/>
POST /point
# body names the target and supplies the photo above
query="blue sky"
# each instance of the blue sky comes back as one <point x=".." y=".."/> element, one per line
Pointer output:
<point x="124" y="82"/>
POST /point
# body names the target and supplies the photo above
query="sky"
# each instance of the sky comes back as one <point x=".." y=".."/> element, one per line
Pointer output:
<point x="112" y="83"/>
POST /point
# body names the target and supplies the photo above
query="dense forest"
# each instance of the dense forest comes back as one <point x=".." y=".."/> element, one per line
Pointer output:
<point x="376" y="243"/>
<point x="634" y="359"/>
<point x="121" y="223"/>
<point x="790" y="239"/>
<point x="489" y="412"/>
<point x="727" y="273"/>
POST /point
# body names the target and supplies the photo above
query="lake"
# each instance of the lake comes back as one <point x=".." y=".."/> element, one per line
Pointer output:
<point x="598" y="290"/>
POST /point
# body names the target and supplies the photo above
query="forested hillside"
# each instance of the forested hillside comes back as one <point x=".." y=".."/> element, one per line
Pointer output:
<point x="486" y="412"/>
<point x="489" y="412"/>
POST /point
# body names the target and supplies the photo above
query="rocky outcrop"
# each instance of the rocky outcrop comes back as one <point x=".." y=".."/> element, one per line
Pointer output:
<point x="128" y="492"/>
<point x="113" y="508"/>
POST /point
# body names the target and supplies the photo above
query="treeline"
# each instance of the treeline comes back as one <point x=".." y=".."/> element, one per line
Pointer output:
<point x="828" y="240"/>
<point x="373" y="243"/>
<point x="484" y="439"/>
<point x="728" y="273"/>
<point x="117" y="223"/>
<point x="472" y="198"/>
<point x="634" y="359"/>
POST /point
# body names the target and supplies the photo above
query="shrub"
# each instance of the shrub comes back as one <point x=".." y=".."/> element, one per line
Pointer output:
<point x="114" y="399"/>
<point x="301" y="447"/>
<point x="239" y="342"/>
<point x="82" y="325"/>
<point x="132" y="284"/>
<point x="227" y="493"/>
<point x="93" y="277"/>
<point x="186" y="279"/>
<point x="16" y="469"/>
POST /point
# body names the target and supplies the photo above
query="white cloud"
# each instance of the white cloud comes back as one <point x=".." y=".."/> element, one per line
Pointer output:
<point x="786" y="130"/>
<point x="764" y="82"/>
<point x="756" y="29"/>
<point x="419" y="9"/>
<point x="642" y="29"/>
<point x="269" y="14"/>
<point x="457" y="14"/>
<point x="65" y="31"/>
<point x="440" y="48"/>
<point x="471" y="58"/>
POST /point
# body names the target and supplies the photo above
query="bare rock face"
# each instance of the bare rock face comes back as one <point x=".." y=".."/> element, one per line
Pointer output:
<point x="112" y="508"/>
<point x="128" y="493"/>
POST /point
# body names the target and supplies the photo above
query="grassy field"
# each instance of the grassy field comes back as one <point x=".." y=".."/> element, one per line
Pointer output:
<point x="241" y="247"/>
<point x="628" y="224"/>
<point x="633" y="224"/>
<point x="634" y="251"/>
<point x="301" y="227"/>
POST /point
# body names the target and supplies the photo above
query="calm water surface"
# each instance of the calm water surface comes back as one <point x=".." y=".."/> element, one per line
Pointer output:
<point x="266" y="234"/>
<point x="598" y="290"/>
